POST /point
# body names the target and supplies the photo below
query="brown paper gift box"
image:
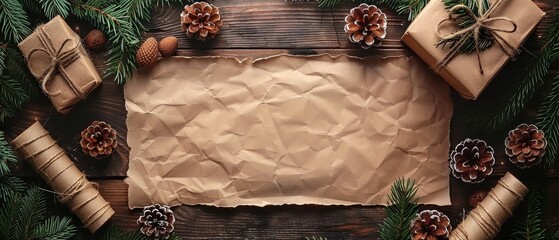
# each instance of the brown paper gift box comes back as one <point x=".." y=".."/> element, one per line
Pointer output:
<point x="462" y="72"/>
<point x="81" y="73"/>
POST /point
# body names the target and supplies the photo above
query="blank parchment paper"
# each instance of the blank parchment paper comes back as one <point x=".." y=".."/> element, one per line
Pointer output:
<point x="286" y="130"/>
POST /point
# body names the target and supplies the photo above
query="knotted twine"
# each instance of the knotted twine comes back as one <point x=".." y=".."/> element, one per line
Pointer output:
<point x="59" y="61"/>
<point x="484" y="222"/>
<point x="481" y="23"/>
<point x="49" y="160"/>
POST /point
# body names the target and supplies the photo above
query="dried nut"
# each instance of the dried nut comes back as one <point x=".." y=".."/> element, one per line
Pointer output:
<point x="168" y="46"/>
<point x="95" y="40"/>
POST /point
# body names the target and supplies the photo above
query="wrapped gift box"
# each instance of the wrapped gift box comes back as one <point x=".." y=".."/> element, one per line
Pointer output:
<point x="462" y="72"/>
<point x="56" y="57"/>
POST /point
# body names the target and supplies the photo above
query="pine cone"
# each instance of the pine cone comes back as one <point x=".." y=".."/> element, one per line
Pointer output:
<point x="472" y="160"/>
<point x="99" y="139"/>
<point x="157" y="222"/>
<point x="201" y="20"/>
<point x="366" y="24"/>
<point x="431" y="225"/>
<point x="525" y="145"/>
<point x="148" y="53"/>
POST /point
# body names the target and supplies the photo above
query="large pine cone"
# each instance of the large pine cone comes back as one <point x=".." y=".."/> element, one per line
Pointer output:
<point x="157" y="222"/>
<point x="472" y="160"/>
<point x="525" y="145"/>
<point x="431" y="225"/>
<point x="99" y="139"/>
<point x="366" y="24"/>
<point x="201" y="20"/>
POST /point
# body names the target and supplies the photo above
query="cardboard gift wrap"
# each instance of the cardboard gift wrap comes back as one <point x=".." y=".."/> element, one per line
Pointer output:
<point x="56" y="57"/>
<point x="485" y="221"/>
<point x="286" y="130"/>
<point x="462" y="71"/>
<point x="48" y="159"/>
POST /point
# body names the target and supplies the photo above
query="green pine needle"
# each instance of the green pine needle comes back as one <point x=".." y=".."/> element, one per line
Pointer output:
<point x="401" y="211"/>
<point x="527" y="223"/>
<point x="9" y="186"/>
<point x="55" y="228"/>
<point x="15" y="26"/>
<point x="7" y="157"/>
<point x="402" y="7"/>
<point x="12" y="97"/>
<point x="55" y="7"/>
<point x="17" y="69"/>
<point x="548" y="121"/>
<point x="31" y="212"/>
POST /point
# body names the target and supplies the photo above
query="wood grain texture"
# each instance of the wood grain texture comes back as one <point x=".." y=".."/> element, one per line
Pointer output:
<point x="296" y="222"/>
<point x="255" y="28"/>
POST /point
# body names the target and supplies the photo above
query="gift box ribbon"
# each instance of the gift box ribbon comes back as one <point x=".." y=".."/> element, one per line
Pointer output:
<point x="59" y="60"/>
<point x="481" y="23"/>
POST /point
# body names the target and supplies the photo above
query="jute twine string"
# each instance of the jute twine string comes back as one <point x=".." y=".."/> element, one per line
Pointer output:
<point x="80" y="184"/>
<point x="59" y="60"/>
<point x="481" y="23"/>
<point x="486" y="222"/>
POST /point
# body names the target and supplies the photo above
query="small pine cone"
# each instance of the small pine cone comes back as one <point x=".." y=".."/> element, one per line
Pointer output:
<point x="366" y="24"/>
<point x="431" y="225"/>
<point x="99" y="140"/>
<point x="157" y="222"/>
<point x="472" y="160"/>
<point x="201" y="20"/>
<point x="476" y="197"/>
<point x="168" y="46"/>
<point x="148" y="53"/>
<point x="525" y="145"/>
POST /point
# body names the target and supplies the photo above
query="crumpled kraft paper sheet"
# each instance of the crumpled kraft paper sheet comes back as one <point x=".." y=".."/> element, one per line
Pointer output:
<point x="286" y="130"/>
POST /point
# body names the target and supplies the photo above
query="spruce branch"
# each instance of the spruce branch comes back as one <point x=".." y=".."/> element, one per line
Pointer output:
<point x="12" y="97"/>
<point x="55" y="228"/>
<point x="17" y="69"/>
<point x="9" y="186"/>
<point x="527" y="224"/>
<point x="7" y="157"/>
<point x="52" y="8"/>
<point x="548" y="121"/>
<point x="401" y="211"/>
<point x="114" y="20"/>
<point x="15" y="26"/>
<point x="32" y="208"/>
<point x="9" y="211"/>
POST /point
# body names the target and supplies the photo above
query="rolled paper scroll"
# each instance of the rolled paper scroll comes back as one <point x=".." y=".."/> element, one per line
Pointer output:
<point x="47" y="158"/>
<point x="485" y="221"/>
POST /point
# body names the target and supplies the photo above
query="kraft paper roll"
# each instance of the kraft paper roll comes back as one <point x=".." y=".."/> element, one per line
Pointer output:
<point x="47" y="158"/>
<point x="485" y="221"/>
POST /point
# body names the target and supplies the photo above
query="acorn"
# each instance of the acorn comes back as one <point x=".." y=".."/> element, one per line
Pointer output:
<point x="148" y="53"/>
<point x="168" y="46"/>
<point x="95" y="40"/>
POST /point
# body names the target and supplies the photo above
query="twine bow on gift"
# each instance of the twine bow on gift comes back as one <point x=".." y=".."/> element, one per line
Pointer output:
<point x="59" y="61"/>
<point x="483" y="22"/>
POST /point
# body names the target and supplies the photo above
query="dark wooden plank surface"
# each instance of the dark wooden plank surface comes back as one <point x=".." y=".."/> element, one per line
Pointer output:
<point x="255" y="28"/>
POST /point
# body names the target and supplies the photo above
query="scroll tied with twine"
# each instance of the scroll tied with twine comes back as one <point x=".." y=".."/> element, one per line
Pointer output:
<point x="485" y="221"/>
<point x="40" y="150"/>
<point x="482" y="21"/>
<point x="56" y="57"/>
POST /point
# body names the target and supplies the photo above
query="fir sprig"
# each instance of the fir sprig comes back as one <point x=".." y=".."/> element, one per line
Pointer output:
<point x="13" y="17"/>
<point x="9" y="186"/>
<point x="402" y="7"/>
<point x="113" y="19"/>
<point x="401" y="211"/>
<point x="7" y="157"/>
<point x="548" y="121"/>
<point x="52" y="8"/>
<point x="527" y="221"/>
